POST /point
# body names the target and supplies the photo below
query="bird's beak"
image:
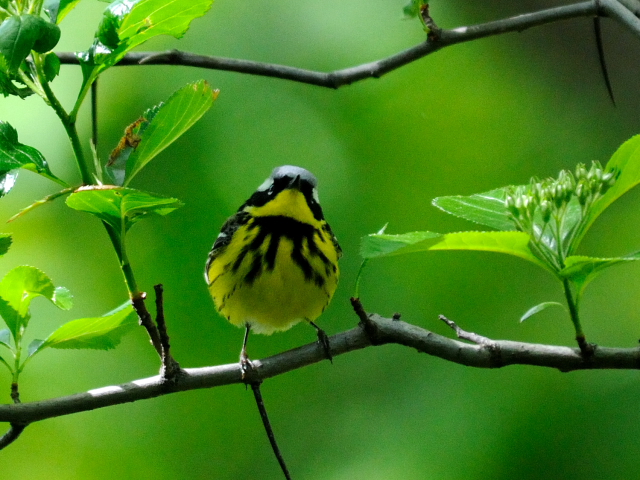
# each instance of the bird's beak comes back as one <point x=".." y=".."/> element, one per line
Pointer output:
<point x="295" y="183"/>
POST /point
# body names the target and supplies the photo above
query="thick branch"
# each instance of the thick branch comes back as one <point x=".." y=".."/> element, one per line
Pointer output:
<point x="497" y="353"/>
<point x="617" y="9"/>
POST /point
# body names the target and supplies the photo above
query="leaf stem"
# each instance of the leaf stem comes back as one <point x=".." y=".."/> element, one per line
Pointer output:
<point x="68" y="121"/>
<point x="586" y="348"/>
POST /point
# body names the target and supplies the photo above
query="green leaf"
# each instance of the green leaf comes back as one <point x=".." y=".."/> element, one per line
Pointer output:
<point x="538" y="308"/>
<point x="129" y="23"/>
<point x="510" y="243"/>
<point x="51" y="67"/>
<point x="10" y="82"/>
<point x="158" y="128"/>
<point x="58" y="9"/>
<point x="5" y="243"/>
<point x="7" y="181"/>
<point x="34" y="346"/>
<point x="98" y="333"/>
<point x="14" y="155"/>
<point x="486" y="208"/>
<point x="582" y="270"/>
<point x="62" y="298"/>
<point x="626" y="163"/>
<point x="5" y="338"/>
<point x="120" y="207"/>
<point x="45" y="200"/>
<point x="17" y="289"/>
<point x="21" y="34"/>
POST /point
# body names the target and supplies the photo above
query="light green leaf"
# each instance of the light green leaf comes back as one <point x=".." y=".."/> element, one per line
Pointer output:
<point x="34" y="346"/>
<point x="15" y="155"/>
<point x="58" y="9"/>
<point x="538" y="308"/>
<point x="17" y="289"/>
<point x="120" y="207"/>
<point x="386" y="245"/>
<point x="626" y="163"/>
<point x="62" y="298"/>
<point x="159" y="127"/>
<point x="486" y="208"/>
<point x="582" y="270"/>
<point x="129" y="23"/>
<point x="511" y="243"/>
<point x="98" y="333"/>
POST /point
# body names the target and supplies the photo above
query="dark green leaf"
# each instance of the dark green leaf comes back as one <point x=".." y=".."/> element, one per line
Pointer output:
<point x="5" y="243"/>
<point x="10" y="82"/>
<point x="48" y="38"/>
<point x="21" y="34"/>
<point x="538" y="308"/>
<point x="159" y="127"/>
<point x="486" y="208"/>
<point x="51" y="66"/>
<point x="14" y="155"/>
<point x="120" y="207"/>
<point x="58" y="9"/>
<point x="17" y="289"/>
<point x="101" y="333"/>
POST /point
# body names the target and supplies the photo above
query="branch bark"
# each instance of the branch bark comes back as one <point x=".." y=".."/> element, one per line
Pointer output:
<point x="623" y="11"/>
<point x="487" y="354"/>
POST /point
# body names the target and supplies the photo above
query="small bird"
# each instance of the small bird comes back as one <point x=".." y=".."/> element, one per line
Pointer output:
<point x="275" y="262"/>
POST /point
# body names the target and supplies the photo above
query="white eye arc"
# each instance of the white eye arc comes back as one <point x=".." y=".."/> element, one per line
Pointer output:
<point x="266" y="184"/>
<point x="315" y="195"/>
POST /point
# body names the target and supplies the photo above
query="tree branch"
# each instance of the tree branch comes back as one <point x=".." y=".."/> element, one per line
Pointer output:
<point x="620" y="10"/>
<point x="494" y="354"/>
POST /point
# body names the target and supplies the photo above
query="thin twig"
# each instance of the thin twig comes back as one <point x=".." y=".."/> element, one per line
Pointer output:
<point x="15" y="429"/>
<point x="147" y="322"/>
<point x="603" y="64"/>
<point x="94" y="114"/>
<point x="255" y="386"/>
<point x="376" y="69"/>
<point x="399" y="332"/>
<point x="170" y="367"/>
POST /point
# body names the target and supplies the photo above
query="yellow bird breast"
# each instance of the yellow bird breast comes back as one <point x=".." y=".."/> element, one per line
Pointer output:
<point x="275" y="272"/>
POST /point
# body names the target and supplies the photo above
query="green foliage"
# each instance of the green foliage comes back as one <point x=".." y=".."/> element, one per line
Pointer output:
<point x="15" y="155"/>
<point x="550" y="218"/>
<point x="5" y="243"/>
<point x="21" y="34"/>
<point x="158" y="128"/>
<point x="128" y="23"/>
<point x="120" y="207"/>
<point x="97" y="333"/>
<point x="18" y="288"/>
<point x="58" y="9"/>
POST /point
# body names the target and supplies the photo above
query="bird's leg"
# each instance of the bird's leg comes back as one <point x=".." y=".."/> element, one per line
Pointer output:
<point x="245" y="363"/>
<point x="323" y="340"/>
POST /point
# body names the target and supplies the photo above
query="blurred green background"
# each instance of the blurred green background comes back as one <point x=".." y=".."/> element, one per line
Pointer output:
<point x="464" y="120"/>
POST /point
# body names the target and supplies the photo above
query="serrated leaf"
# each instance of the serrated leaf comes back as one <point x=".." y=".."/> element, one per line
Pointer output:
<point x="58" y="9"/>
<point x="14" y="155"/>
<point x="386" y="245"/>
<point x="129" y="23"/>
<point x="159" y="127"/>
<point x="17" y="289"/>
<point x="51" y="66"/>
<point x="487" y="208"/>
<point x="98" y="333"/>
<point x="510" y="243"/>
<point x="21" y="34"/>
<point x="62" y="298"/>
<point x="5" y="243"/>
<point x="120" y="207"/>
<point x="538" y="308"/>
<point x="581" y="270"/>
